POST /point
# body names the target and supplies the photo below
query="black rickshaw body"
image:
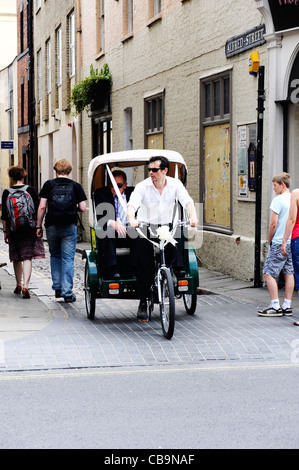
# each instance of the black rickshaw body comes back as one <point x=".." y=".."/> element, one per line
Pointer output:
<point x="96" y="276"/>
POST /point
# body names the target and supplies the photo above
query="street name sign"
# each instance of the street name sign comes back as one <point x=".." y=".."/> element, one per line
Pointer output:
<point x="7" y="144"/>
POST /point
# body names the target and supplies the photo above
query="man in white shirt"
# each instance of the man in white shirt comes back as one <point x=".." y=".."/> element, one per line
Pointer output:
<point x="154" y="199"/>
<point x="276" y="262"/>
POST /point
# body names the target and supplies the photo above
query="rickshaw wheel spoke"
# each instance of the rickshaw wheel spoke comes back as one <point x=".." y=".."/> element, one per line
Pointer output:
<point x="167" y="304"/>
<point x="190" y="301"/>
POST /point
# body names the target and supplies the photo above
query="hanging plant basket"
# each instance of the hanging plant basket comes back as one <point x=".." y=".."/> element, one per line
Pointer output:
<point x="93" y="91"/>
<point x="101" y="95"/>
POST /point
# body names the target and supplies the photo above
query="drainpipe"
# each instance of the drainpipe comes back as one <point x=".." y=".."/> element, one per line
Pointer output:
<point x="79" y="137"/>
<point x="259" y="170"/>
<point x="31" y="111"/>
<point x="79" y="65"/>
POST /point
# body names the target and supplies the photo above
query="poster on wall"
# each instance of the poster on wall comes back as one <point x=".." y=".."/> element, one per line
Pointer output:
<point x="246" y="148"/>
<point x="242" y="161"/>
<point x="285" y="14"/>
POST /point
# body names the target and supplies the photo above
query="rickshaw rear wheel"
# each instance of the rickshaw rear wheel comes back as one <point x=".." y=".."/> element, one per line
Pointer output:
<point x="167" y="304"/>
<point x="190" y="301"/>
<point x="90" y="300"/>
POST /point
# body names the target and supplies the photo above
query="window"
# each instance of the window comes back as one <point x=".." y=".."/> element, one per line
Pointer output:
<point x="154" y="121"/>
<point x="48" y="65"/>
<point x="130" y="16"/>
<point x="102" y="23"/>
<point x="39" y="75"/>
<point x="100" y="26"/>
<point x="72" y="45"/>
<point x="128" y="129"/>
<point x="58" y="57"/>
<point x="157" y="7"/>
<point x="102" y="135"/>
<point x="215" y="160"/>
<point x="21" y="29"/>
<point x="217" y="98"/>
<point x="154" y="7"/>
<point x="22" y="102"/>
<point x="127" y="17"/>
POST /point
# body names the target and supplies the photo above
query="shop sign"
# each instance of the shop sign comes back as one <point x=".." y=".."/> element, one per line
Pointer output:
<point x="285" y="14"/>
<point x="252" y="38"/>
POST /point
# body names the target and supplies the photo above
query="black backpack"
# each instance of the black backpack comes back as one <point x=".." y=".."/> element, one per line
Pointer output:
<point x="62" y="201"/>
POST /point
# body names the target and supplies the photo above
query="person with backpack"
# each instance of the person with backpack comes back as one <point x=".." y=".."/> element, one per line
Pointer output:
<point x="62" y="197"/>
<point x="19" y="212"/>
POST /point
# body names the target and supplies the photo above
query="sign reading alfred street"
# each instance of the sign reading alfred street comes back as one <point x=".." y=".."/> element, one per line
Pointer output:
<point x="7" y="144"/>
<point x="252" y="38"/>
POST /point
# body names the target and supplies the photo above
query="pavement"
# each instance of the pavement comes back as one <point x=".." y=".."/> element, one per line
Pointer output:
<point x="44" y="333"/>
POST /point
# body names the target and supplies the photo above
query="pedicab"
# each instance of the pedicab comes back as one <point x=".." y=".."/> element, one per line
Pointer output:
<point x="167" y="287"/>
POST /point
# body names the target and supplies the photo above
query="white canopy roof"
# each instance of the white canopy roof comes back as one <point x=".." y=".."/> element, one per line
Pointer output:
<point x="142" y="155"/>
<point x="126" y="159"/>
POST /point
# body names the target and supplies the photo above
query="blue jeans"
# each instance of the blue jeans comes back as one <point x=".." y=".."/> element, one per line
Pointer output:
<point x="62" y="241"/>
<point x="295" y="257"/>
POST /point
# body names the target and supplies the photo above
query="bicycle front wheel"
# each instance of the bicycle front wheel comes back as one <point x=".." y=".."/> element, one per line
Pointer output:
<point x="167" y="303"/>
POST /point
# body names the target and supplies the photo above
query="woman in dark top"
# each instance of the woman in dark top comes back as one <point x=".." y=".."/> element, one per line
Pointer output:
<point x="23" y="246"/>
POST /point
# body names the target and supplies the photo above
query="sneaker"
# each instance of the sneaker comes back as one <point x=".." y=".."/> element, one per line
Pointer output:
<point x="69" y="299"/>
<point x="58" y="294"/>
<point x="287" y="311"/>
<point x="270" y="312"/>
<point x="142" y="312"/>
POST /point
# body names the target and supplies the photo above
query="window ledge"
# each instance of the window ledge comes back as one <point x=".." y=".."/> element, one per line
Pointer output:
<point x="154" y="20"/>
<point x="100" y="55"/>
<point x="127" y="37"/>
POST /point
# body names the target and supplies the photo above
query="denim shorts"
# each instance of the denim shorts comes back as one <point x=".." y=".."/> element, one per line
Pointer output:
<point x="276" y="262"/>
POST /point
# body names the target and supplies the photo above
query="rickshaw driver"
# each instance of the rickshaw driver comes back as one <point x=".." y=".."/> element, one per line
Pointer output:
<point x="155" y="197"/>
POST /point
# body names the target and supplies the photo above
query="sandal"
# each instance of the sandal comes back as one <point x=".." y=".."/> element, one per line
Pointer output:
<point x="296" y="323"/>
<point x="25" y="293"/>
<point x="18" y="290"/>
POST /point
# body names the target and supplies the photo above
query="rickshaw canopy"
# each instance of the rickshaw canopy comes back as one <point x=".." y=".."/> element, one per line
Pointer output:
<point x="127" y="159"/>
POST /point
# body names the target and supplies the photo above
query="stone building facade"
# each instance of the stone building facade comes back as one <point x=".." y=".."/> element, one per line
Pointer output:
<point x="8" y="121"/>
<point x="56" y="71"/>
<point x="181" y="81"/>
<point x="175" y="87"/>
<point x="25" y="90"/>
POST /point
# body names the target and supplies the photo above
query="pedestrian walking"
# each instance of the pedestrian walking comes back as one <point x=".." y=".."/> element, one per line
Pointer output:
<point x="292" y="228"/>
<point x="276" y="262"/>
<point x="19" y="212"/>
<point x="62" y="198"/>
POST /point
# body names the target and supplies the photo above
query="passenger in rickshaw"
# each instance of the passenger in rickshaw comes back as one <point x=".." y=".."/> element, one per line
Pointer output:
<point x="154" y="198"/>
<point x="115" y="224"/>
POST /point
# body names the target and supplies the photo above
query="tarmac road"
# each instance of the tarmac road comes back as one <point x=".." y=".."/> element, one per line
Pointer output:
<point x="185" y="407"/>
<point x="43" y="332"/>
<point x="227" y="379"/>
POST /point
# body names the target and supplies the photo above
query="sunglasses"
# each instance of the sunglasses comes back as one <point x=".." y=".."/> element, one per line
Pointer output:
<point x="154" y="170"/>
<point x="119" y="185"/>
